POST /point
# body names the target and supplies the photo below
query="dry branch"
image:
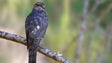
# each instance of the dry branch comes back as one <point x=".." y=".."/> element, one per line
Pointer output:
<point x="82" y="32"/>
<point x="102" y="16"/>
<point x="18" y="39"/>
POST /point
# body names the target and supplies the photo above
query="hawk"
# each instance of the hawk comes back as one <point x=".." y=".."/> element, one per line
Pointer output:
<point x="35" y="25"/>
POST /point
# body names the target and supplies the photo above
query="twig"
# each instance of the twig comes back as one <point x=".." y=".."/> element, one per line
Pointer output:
<point x="97" y="3"/>
<point x="102" y="16"/>
<point x="82" y="31"/>
<point x="18" y="39"/>
<point x="104" y="13"/>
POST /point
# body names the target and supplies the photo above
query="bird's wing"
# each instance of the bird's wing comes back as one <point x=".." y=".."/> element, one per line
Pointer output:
<point x="33" y="26"/>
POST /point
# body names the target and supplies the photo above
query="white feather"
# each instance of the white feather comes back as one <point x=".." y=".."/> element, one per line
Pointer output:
<point x="38" y="27"/>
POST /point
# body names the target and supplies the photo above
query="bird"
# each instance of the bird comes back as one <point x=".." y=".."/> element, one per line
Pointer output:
<point x="35" y="26"/>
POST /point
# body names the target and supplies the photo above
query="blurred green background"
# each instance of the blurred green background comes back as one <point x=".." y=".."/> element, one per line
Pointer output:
<point x="62" y="35"/>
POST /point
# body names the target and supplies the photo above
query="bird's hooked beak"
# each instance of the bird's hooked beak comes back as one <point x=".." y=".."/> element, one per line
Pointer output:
<point x="43" y="6"/>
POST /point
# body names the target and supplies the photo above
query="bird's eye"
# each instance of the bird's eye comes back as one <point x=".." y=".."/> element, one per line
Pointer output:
<point x="37" y="5"/>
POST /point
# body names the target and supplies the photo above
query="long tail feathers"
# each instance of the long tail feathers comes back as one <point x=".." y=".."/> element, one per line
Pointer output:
<point x="33" y="51"/>
<point x="32" y="56"/>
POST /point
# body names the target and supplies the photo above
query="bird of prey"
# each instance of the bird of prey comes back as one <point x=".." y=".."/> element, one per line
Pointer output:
<point x="35" y="25"/>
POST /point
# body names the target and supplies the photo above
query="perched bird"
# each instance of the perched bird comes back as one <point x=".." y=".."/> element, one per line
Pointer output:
<point x="36" y="24"/>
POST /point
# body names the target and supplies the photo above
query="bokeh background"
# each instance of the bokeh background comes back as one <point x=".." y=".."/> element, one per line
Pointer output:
<point x="83" y="39"/>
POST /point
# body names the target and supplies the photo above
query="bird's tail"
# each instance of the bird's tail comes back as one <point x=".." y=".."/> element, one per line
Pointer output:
<point x="32" y="56"/>
<point x="33" y="51"/>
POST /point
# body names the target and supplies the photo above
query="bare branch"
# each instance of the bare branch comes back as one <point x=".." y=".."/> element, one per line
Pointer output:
<point x="104" y="13"/>
<point x="18" y="39"/>
<point x="82" y="31"/>
<point x="102" y="16"/>
<point x="97" y="3"/>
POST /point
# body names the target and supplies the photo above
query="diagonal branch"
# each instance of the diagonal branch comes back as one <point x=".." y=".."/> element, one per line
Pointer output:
<point x="102" y="16"/>
<point x="18" y="39"/>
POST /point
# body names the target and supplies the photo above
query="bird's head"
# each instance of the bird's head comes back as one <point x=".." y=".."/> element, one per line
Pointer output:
<point x="40" y="5"/>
